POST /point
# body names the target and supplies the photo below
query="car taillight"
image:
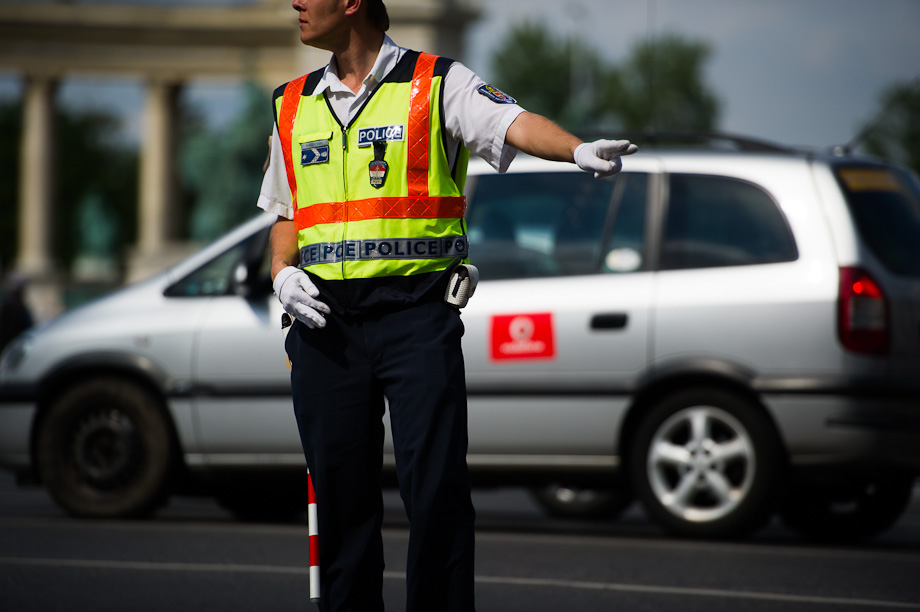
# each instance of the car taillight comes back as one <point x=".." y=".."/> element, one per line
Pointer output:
<point x="862" y="313"/>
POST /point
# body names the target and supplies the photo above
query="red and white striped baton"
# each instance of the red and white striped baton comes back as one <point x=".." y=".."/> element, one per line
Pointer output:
<point x="286" y="322"/>
<point x="314" y="540"/>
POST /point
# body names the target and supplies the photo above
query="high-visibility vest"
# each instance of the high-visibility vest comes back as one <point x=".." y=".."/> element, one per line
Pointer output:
<point x="358" y="218"/>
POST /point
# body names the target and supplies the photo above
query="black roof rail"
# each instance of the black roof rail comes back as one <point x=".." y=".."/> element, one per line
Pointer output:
<point x="715" y="140"/>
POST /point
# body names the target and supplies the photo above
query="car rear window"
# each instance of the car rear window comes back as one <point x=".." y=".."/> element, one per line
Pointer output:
<point x="885" y="205"/>
<point x="527" y="225"/>
<point x="714" y="221"/>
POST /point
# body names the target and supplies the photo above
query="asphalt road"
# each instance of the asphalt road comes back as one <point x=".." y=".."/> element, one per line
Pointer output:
<point x="195" y="556"/>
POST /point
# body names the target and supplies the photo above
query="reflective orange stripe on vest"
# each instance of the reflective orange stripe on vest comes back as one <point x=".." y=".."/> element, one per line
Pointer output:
<point x="418" y="204"/>
<point x="381" y="208"/>
<point x="417" y="137"/>
<point x="289" y="103"/>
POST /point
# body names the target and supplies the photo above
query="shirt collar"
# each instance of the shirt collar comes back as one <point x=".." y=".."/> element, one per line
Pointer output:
<point x="389" y="55"/>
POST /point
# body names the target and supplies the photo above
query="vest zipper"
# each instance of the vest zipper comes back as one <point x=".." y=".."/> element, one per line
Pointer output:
<point x="344" y="192"/>
<point x="345" y="167"/>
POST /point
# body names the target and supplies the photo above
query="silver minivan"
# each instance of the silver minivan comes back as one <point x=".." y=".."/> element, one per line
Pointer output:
<point x="722" y="334"/>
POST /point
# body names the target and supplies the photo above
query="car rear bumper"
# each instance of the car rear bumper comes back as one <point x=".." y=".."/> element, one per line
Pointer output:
<point x="849" y="430"/>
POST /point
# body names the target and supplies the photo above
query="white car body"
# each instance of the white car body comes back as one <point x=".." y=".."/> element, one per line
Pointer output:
<point x="561" y="367"/>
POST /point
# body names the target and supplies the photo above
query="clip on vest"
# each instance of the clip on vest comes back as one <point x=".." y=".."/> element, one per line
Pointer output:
<point x="462" y="285"/>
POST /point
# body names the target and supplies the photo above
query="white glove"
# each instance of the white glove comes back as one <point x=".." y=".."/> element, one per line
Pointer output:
<point x="602" y="157"/>
<point x="296" y="292"/>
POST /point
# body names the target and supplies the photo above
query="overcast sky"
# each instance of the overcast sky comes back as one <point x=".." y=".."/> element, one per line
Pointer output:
<point x="804" y="72"/>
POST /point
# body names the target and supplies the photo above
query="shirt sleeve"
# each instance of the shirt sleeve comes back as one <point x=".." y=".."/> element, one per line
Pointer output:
<point x="475" y="119"/>
<point x="275" y="196"/>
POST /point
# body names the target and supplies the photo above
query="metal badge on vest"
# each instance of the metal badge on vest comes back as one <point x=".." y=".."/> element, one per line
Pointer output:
<point x="378" y="168"/>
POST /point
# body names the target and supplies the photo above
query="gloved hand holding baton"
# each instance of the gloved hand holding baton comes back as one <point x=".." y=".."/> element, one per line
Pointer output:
<point x="298" y="294"/>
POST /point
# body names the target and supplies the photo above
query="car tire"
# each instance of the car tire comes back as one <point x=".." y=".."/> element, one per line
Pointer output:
<point x="105" y="450"/>
<point x="847" y="512"/>
<point x="571" y="502"/>
<point x="705" y="463"/>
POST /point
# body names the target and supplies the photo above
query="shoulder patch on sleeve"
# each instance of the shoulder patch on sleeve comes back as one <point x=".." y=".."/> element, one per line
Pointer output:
<point x="496" y="95"/>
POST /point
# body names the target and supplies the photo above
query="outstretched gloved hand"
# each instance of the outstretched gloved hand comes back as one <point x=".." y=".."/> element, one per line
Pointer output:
<point x="297" y="294"/>
<point x="602" y="157"/>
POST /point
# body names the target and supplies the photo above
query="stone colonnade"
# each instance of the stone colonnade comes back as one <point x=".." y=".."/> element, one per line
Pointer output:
<point x="157" y="228"/>
<point x="157" y="197"/>
<point x="166" y="46"/>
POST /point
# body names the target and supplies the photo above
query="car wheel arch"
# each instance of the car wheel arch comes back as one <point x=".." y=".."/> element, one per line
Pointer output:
<point x="677" y="377"/>
<point x="137" y="369"/>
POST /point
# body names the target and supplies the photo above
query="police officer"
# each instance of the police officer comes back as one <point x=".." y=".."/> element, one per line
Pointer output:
<point x="366" y="174"/>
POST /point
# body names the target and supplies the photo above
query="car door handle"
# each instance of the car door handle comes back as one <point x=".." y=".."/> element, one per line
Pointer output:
<point x="609" y="320"/>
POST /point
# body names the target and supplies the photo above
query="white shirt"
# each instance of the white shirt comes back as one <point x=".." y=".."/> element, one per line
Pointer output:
<point x="470" y="117"/>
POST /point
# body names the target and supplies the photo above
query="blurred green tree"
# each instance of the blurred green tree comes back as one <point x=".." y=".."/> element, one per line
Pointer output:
<point x="89" y="162"/>
<point x="549" y="76"/>
<point x="895" y="134"/>
<point x="221" y="170"/>
<point x="659" y="86"/>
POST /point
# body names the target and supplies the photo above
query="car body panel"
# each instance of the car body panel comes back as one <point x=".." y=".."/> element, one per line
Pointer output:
<point x="747" y="316"/>
<point x="568" y="399"/>
<point x="558" y="366"/>
<point x="242" y="379"/>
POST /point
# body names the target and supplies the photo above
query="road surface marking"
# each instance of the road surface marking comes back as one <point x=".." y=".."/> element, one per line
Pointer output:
<point x="496" y="580"/>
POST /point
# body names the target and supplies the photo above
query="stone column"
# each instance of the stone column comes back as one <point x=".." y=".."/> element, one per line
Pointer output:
<point x="157" y="180"/>
<point x="159" y="218"/>
<point x="35" y="259"/>
<point x="36" y="178"/>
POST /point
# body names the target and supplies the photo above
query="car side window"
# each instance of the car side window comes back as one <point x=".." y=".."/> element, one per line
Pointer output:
<point x="624" y="250"/>
<point x="227" y="273"/>
<point x="715" y="221"/>
<point x="530" y="225"/>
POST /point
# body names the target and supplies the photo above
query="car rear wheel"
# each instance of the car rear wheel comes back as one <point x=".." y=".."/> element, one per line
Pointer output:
<point x="566" y="501"/>
<point x="705" y="463"/>
<point x="105" y="450"/>
<point x="853" y="511"/>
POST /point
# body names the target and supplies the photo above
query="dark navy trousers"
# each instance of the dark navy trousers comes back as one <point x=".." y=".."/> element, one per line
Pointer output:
<point x="340" y="376"/>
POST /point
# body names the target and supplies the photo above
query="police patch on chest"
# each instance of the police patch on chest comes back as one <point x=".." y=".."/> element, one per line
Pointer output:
<point x="314" y="152"/>
<point x="384" y="133"/>
<point x="496" y="95"/>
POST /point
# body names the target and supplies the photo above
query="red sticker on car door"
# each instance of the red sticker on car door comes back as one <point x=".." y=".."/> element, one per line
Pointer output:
<point x="523" y="336"/>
